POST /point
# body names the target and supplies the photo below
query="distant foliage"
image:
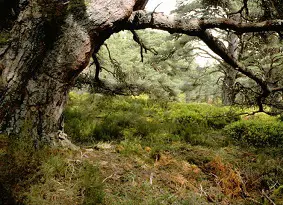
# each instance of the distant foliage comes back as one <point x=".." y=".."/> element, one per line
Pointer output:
<point x="168" y="70"/>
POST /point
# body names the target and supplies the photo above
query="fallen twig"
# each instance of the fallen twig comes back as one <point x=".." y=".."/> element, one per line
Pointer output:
<point x="107" y="178"/>
<point x="267" y="197"/>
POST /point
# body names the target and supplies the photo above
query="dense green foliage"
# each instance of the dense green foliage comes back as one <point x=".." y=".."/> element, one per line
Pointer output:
<point x="91" y="118"/>
<point x="168" y="68"/>
<point x="259" y="131"/>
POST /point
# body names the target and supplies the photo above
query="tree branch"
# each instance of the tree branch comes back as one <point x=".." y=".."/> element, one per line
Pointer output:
<point x="142" y="45"/>
<point x="192" y="27"/>
<point x="218" y="47"/>
<point x="277" y="89"/>
<point x="97" y="66"/>
<point x="198" y="27"/>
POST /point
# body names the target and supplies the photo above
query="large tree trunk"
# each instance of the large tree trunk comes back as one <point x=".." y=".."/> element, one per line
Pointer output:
<point x="52" y="43"/>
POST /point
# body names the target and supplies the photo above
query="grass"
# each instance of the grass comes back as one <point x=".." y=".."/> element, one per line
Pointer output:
<point x="138" y="151"/>
<point x="47" y="176"/>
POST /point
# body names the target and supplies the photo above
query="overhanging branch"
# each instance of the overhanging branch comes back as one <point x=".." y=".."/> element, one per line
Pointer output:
<point x="192" y="27"/>
<point x="218" y="47"/>
<point x="198" y="27"/>
<point x="97" y="66"/>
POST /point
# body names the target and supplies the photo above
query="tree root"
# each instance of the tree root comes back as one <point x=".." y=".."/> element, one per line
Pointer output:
<point x="64" y="142"/>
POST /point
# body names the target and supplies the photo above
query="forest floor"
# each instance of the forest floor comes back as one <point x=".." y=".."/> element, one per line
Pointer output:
<point x="183" y="174"/>
<point x="138" y="152"/>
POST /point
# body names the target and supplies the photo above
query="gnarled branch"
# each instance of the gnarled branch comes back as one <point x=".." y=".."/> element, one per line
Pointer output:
<point x="192" y="27"/>
<point x="198" y="27"/>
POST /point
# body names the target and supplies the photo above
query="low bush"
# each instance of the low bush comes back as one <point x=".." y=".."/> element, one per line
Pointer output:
<point x="256" y="132"/>
<point x="18" y="165"/>
<point x="204" y="114"/>
<point x="192" y="120"/>
<point x="91" y="118"/>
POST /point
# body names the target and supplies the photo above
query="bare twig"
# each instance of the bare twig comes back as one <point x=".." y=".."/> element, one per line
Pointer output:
<point x="151" y="178"/>
<point x="267" y="197"/>
<point x="142" y="45"/>
<point x="209" y="198"/>
<point x="155" y="10"/>
<point x="104" y="180"/>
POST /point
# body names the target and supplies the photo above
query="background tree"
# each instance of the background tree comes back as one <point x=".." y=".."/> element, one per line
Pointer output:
<point x="233" y="91"/>
<point x="224" y="9"/>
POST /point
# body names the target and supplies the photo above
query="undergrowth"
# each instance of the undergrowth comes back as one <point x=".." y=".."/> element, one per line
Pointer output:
<point x="135" y="150"/>
<point x="259" y="130"/>
<point x="91" y="118"/>
<point x="46" y="176"/>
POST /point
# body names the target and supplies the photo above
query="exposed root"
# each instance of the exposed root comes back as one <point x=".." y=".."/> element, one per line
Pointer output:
<point x="64" y="142"/>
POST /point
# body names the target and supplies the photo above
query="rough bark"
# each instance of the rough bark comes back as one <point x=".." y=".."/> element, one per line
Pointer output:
<point x="228" y="86"/>
<point x="43" y="59"/>
<point x="228" y="90"/>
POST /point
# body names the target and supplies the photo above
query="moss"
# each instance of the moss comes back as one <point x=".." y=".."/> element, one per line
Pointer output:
<point x="76" y="6"/>
<point x="277" y="195"/>
<point x="4" y="37"/>
<point x="52" y="9"/>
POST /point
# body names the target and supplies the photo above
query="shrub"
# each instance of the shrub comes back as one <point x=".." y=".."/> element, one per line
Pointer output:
<point x="205" y="114"/>
<point x="190" y="120"/>
<point x="91" y="117"/>
<point x="256" y="132"/>
<point x="92" y="184"/>
<point x="217" y="117"/>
